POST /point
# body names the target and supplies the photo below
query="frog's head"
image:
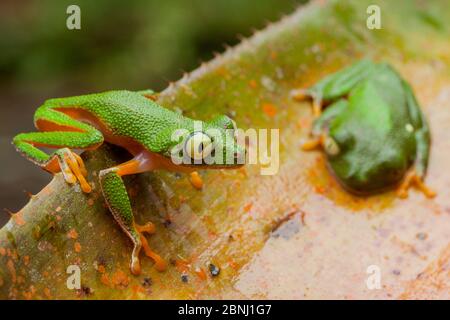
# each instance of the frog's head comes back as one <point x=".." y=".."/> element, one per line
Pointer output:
<point x="363" y="165"/>
<point x="210" y="144"/>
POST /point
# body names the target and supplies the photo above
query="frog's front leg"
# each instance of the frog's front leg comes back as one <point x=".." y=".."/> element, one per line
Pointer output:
<point x="334" y="86"/>
<point x="303" y="94"/>
<point x="422" y="136"/>
<point x="119" y="204"/>
<point x="319" y="129"/>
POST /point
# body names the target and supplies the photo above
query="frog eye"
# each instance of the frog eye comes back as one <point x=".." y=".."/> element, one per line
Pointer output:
<point x="330" y="146"/>
<point x="198" y="146"/>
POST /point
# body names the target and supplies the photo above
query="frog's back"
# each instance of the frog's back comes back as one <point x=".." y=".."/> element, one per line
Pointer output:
<point x="379" y="102"/>
<point x="128" y="114"/>
<point x="374" y="126"/>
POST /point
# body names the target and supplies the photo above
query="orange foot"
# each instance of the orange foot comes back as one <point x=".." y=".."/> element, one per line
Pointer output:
<point x="314" y="143"/>
<point x="412" y="178"/>
<point x="302" y="94"/>
<point x="76" y="171"/>
<point x="160" y="263"/>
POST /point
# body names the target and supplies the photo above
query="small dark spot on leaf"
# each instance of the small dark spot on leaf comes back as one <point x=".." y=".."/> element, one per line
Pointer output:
<point x="167" y="223"/>
<point x="84" y="291"/>
<point x="396" y="272"/>
<point x="184" y="278"/>
<point x="147" y="282"/>
<point x="422" y="236"/>
<point x="214" y="270"/>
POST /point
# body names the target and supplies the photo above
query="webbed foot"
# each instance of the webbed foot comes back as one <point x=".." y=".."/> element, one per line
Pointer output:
<point x="413" y="179"/>
<point x="140" y="242"/>
<point x="73" y="169"/>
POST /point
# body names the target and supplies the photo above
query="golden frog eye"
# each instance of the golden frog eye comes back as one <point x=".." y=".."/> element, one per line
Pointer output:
<point x="330" y="146"/>
<point x="198" y="146"/>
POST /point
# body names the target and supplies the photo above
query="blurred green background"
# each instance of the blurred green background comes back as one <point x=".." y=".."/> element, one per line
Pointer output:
<point x="133" y="44"/>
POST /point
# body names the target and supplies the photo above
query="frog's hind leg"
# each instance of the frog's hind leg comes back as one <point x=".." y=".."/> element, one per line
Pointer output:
<point x="119" y="204"/>
<point x="62" y="132"/>
<point x="422" y="135"/>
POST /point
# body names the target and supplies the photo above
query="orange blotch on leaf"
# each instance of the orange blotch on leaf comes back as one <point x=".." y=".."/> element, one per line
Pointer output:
<point x="77" y="247"/>
<point x="200" y="272"/>
<point x="105" y="279"/>
<point x="47" y="293"/>
<point x="269" y="109"/>
<point x="72" y="234"/>
<point x="12" y="270"/>
<point x="120" y="279"/>
<point x="196" y="180"/>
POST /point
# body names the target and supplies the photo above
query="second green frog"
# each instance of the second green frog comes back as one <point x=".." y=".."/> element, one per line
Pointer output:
<point x="372" y="129"/>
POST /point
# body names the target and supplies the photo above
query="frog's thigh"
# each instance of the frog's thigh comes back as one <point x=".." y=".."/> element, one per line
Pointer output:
<point x="119" y="204"/>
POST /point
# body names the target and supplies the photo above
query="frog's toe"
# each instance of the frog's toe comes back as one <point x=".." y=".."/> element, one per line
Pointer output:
<point x="314" y="143"/>
<point x="147" y="228"/>
<point x="74" y="166"/>
<point x="80" y="164"/>
<point x="69" y="177"/>
<point x="413" y="179"/>
<point x="160" y="263"/>
<point x="427" y="191"/>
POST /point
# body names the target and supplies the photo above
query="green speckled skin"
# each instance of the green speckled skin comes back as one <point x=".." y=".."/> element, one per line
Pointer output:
<point x="125" y="118"/>
<point x="377" y="124"/>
